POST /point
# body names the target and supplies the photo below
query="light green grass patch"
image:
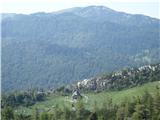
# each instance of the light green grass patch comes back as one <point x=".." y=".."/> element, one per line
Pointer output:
<point x="100" y="98"/>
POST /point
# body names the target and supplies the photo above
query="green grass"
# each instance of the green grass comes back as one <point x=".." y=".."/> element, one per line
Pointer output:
<point x="100" y="98"/>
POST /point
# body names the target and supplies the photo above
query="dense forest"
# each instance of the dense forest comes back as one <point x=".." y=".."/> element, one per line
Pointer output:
<point x="54" y="49"/>
<point x="22" y="98"/>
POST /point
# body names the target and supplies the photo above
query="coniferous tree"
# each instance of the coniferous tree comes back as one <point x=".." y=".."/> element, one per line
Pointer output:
<point x="79" y="109"/>
<point x="141" y="112"/>
<point x="120" y="115"/>
<point x="44" y="116"/>
<point x="94" y="115"/>
<point x="57" y="113"/>
<point x="67" y="113"/>
<point x="156" y="104"/>
<point x="7" y="113"/>
<point x="36" y="115"/>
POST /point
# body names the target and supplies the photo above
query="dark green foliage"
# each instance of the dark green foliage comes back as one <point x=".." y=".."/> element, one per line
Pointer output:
<point x="36" y="115"/>
<point x="7" y="113"/>
<point x="44" y="116"/>
<point x="123" y="112"/>
<point x="156" y="105"/>
<point x="81" y="112"/>
<point x="93" y="116"/>
<point x="108" y="111"/>
<point x="140" y="112"/>
<point x="67" y="113"/>
<point x="24" y="99"/>
<point x="22" y="117"/>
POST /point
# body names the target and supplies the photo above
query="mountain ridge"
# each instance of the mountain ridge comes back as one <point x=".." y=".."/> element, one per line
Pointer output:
<point x="75" y="10"/>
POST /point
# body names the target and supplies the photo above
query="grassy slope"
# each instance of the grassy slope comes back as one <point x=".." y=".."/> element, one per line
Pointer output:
<point x="100" y="98"/>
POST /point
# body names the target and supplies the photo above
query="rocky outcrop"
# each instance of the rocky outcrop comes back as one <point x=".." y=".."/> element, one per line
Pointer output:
<point x="126" y="78"/>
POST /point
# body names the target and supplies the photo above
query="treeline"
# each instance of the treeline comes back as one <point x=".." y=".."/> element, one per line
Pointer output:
<point x="146" y="107"/>
<point x="22" y="98"/>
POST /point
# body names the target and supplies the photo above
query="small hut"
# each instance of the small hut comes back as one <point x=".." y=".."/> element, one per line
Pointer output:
<point x="76" y="95"/>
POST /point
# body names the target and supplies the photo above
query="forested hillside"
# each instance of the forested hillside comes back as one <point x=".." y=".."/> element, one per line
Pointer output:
<point x="53" y="49"/>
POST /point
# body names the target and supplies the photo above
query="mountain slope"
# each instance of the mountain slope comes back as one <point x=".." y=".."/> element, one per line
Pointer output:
<point x="51" y="49"/>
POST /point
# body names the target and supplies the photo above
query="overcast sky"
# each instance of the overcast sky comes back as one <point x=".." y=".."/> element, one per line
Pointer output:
<point x="147" y="7"/>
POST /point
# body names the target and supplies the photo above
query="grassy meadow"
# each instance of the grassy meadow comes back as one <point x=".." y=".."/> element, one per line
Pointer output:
<point x="100" y="98"/>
